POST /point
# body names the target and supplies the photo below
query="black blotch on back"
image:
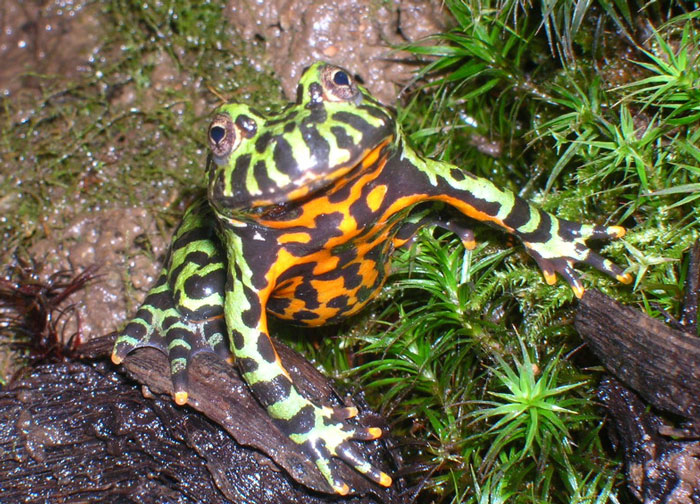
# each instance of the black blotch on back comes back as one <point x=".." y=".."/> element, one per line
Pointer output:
<point x="519" y="214"/>
<point x="269" y="392"/>
<point x="543" y="231"/>
<point x="317" y="144"/>
<point x="238" y="176"/>
<point x="342" y="138"/>
<point x="263" y="141"/>
<point x="355" y="121"/>
<point x="302" y="422"/>
<point x="284" y="158"/>
<point x="261" y="176"/>
<point x="457" y="174"/>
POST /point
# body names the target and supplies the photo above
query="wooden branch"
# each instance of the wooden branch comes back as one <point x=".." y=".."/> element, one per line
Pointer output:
<point x="217" y="390"/>
<point x="75" y="432"/>
<point x="660" y="363"/>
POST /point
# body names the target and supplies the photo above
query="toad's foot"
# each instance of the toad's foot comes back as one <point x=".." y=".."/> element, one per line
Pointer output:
<point x="566" y="247"/>
<point x="323" y="433"/>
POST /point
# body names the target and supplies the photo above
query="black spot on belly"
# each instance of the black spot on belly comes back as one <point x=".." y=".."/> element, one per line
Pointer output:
<point x="278" y="304"/>
<point x="340" y="302"/>
<point x="305" y="292"/>
<point x="303" y="315"/>
<point x="352" y="278"/>
<point x="345" y="253"/>
<point x="341" y="194"/>
<point x="364" y="292"/>
<point x="328" y="222"/>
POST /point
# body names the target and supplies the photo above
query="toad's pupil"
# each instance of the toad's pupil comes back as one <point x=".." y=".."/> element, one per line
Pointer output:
<point x="217" y="133"/>
<point x="341" y="78"/>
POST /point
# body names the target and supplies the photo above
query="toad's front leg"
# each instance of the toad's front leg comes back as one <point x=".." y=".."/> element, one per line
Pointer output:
<point x="555" y="244"/>
<point x="320" y="431"/>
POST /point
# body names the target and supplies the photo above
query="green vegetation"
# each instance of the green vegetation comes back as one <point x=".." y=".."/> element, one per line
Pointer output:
<point x="591" y="109"/>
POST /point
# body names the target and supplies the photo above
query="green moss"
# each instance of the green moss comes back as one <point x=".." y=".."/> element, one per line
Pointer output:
<point x="132" y="129"/>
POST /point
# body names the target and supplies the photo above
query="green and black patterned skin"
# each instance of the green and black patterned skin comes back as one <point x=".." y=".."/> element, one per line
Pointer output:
<point x="303" y="212"/>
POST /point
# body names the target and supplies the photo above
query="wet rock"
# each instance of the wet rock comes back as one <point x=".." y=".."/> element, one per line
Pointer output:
<point x="355" y="34"/>
<point x="127" y="249"/>
<point x="56" y="38"/>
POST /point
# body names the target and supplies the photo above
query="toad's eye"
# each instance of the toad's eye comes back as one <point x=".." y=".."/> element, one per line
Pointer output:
<point x="337" y="84"/>
<point x="341" y="78"/>
<point x="223" y="137"/>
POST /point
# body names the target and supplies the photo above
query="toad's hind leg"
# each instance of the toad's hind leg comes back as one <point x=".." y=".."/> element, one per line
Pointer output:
<point x="321" y="432"/>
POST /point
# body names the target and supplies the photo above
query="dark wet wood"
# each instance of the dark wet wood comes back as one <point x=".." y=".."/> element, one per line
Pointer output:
<point x="217" y="390"/>
<point x="660" y="469"/>
<point x="76" y="432"/>
<point x="660" y="363"/>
